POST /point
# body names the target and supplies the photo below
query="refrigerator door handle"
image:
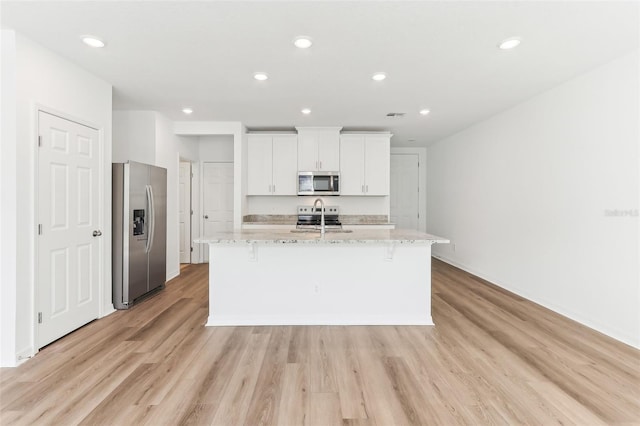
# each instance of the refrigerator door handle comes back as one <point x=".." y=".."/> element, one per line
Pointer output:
<point x="152" y="219"/>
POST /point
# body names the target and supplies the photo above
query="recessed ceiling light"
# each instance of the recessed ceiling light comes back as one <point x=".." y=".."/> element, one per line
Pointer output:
<point x="379" y="76"/>
<point x="92" y="41"/>
<point x="424" y="111"/>
<point x="260" y="76"/>
<point x="302" y="42"/>
<point x="509" y="43"/>
<point x="306" y="111"/>
<point x="187" y="110"/>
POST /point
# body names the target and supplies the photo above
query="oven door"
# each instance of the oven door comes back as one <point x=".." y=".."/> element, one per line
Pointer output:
<point x="322" y="184"/>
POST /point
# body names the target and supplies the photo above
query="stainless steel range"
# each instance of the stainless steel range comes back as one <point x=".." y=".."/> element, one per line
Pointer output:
<point x="309" y="218"/>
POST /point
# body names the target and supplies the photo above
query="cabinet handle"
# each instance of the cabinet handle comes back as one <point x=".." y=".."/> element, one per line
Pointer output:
<point x="274" y="189"/>
<point x="366" y="188"/>
<point x="320" y="164"/>
<point x="363" y="189"/>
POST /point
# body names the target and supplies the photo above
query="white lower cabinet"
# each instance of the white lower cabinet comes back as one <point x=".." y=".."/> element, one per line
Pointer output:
<point x="272" y="164"/>
<point x="365" y="164"/>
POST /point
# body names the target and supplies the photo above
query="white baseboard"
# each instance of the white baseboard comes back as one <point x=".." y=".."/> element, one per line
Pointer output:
<point x="172" y="275"/>
<point x="317" y="320"/>
<point x="108" y="310"/>
<point x="633" y="341"/>
<point x="24" y="355"/>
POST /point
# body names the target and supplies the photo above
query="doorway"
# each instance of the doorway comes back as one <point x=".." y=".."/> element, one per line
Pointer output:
<point x="407" y="192"/>
<point x="185" y="211"/>
<point x="69" y="232"/>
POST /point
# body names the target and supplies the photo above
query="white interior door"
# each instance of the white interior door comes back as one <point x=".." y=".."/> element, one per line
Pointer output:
<point x="217" y="200"/>
<point x="405" y="180"/>
<point x="184" y="211"/>
<point x="69" y="234"/>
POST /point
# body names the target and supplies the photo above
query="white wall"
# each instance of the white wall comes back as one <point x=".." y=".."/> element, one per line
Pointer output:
<point x="134" y="136"/>
<point x="216" y="148"/>
<point x="8" y="189"/>
<point x="148" y="137"/>
<point x="43" y="79"/>
<point x="523" y="197"/>
<point x="170" y="149"/>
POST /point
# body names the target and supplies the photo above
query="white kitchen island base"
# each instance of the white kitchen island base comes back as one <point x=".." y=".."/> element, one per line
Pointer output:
<point x="372" y="278"/>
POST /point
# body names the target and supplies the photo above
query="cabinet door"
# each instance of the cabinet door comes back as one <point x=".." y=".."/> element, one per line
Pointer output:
<point x="377" y="158"/>
<point x="329" y="151"/>
<point x="285" y="161"/>
<point x="259" y="166"/>
<point x="307" y="152"/>
<point x="352" y="165"/>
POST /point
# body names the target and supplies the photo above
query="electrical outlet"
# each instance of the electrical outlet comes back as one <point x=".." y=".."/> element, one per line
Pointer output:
<point x="316" y="289"/>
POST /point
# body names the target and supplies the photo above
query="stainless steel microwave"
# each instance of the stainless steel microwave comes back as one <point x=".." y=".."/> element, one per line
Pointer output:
<point x="318" y="183"/>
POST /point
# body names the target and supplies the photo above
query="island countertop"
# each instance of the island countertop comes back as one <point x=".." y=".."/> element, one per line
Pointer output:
<point x="365" y="236"/>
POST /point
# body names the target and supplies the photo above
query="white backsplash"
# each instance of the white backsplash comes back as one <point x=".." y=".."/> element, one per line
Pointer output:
<point x="286" y="205"/>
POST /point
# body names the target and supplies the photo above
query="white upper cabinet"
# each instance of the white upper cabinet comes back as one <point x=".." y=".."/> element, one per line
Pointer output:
<point x="318" y="149"/>
<point x="377" y="164"/>
<point x="307" y="152"/>
<point x="352" y="170"/>
<point x="271" y="164"/>
<point x="285" y="170"/>
<point x="363" y="160"/>
<point x="365" y="164"/>
<point x="259" y="165"/>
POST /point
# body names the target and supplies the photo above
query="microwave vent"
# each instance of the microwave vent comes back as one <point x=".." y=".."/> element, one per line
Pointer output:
<point x="396" y="114"/>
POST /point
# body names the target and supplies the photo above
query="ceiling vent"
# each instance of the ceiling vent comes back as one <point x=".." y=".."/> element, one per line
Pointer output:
<point x="396" y="114"/>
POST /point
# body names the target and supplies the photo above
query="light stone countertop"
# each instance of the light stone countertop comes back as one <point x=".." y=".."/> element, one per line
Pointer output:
<point x="279" y="236"/>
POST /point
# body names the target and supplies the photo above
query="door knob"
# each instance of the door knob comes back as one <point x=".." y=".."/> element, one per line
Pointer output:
<point x="206" y="216"/>
<point x="97" y="233"/>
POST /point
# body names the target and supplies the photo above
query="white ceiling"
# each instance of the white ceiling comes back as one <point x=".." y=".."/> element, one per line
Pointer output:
<point x="437" y="55"/>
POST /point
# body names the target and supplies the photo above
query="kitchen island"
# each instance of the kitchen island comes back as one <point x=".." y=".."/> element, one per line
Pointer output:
<point x="279" y="277"/>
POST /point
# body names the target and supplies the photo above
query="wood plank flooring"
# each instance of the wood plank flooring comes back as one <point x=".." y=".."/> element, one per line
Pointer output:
<point x="492" y="358"/>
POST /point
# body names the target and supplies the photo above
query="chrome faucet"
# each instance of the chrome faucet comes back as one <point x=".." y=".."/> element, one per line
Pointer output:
<point x="315" y="203"/>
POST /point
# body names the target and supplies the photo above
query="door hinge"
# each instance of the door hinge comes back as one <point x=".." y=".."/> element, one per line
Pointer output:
<point x="39" y="317"/>
<point x="39" y="229"/>
<point x="191" y="248"/>
<point x="192" y="212"/>
<point x="39" y="140"/>
<point x="191" y="175"/>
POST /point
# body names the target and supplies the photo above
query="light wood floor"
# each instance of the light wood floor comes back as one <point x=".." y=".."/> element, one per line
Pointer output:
<point x="492" y="358"/>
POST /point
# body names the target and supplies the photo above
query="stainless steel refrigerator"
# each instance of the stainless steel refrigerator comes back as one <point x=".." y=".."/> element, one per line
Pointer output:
<point x="139" y="231"/>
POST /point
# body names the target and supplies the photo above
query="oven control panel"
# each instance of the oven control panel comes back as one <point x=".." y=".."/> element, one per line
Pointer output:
<point x="308" y="210"/>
